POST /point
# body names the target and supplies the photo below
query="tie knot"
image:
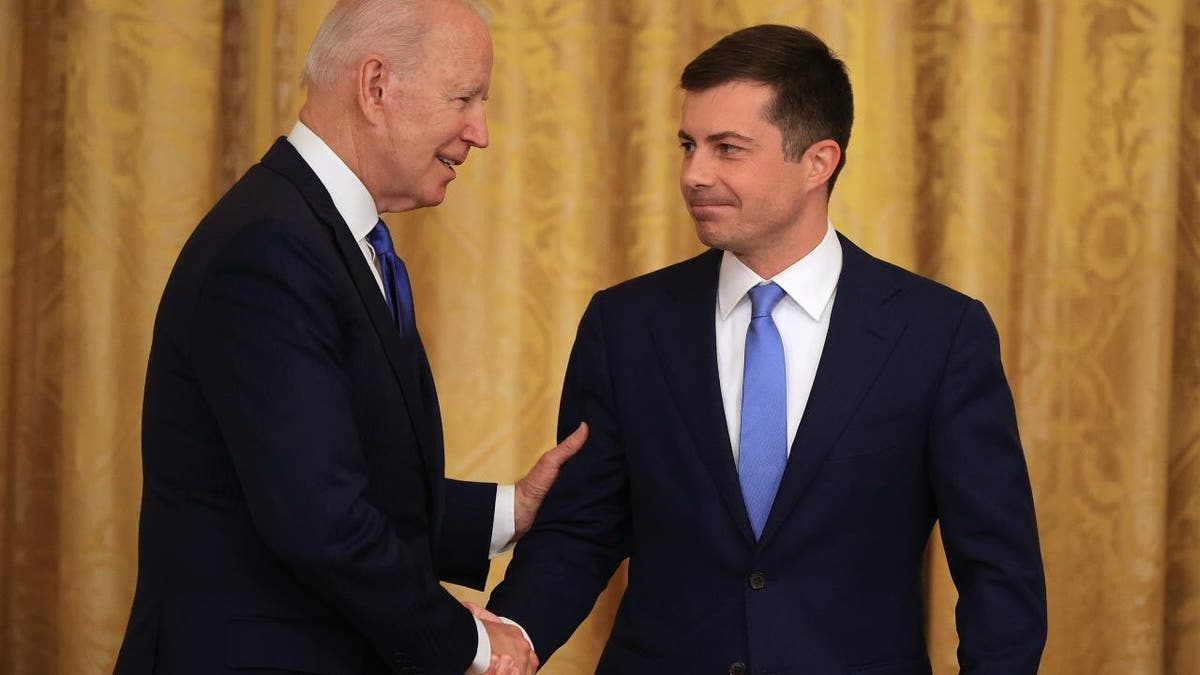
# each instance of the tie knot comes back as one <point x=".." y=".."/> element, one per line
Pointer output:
<point x="763" y="299"/>
<point x="380" y="239"/>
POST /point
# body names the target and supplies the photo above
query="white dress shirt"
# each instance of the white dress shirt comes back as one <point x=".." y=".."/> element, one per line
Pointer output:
<point x="802" y="318"/>
<point x="356" y="206"/>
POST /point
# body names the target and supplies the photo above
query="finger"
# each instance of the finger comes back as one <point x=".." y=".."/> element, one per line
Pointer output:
<point x="571" y="444"/>
<point x="479" y="612"/>
<point x="521" y="664"/>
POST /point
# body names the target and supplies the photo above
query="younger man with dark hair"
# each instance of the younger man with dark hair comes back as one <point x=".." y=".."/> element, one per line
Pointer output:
<point x="777" y="423"/>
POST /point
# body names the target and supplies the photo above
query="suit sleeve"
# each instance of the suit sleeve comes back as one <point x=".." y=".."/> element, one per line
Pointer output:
<point x="582" y="531"/>
<point x="467" y="526"/>
<point x="268" y="358"/>
<point x="985" y="507"/>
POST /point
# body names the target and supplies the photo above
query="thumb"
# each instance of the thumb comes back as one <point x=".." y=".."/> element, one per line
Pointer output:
<point x="571" y="444"/>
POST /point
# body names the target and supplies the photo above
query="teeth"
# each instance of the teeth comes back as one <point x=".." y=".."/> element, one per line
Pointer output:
<point x="447" y="162"/>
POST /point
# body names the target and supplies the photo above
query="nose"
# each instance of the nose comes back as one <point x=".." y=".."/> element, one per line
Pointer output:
<point x="476" y="131"/>
<point x="696" y="171"/>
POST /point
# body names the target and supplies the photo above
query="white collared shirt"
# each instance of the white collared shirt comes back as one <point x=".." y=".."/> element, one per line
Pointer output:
<point x="356" y="206"/>
<point x="802" y="318"/>
<point x="350" y="197"/>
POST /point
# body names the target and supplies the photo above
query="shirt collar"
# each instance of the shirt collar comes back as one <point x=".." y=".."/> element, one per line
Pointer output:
<point x="350" y="197"/>
<point x="810" y="281"/>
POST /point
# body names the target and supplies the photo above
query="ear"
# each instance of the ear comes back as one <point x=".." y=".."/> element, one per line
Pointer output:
<point x="823" y="157"/>
<point x="372" y="86"/>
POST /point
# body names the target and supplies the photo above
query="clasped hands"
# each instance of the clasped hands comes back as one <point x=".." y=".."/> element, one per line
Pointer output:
<point x="512" y="654"/>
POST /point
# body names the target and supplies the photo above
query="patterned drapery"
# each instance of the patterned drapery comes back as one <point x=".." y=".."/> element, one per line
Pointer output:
<point x="1042" y="155"/>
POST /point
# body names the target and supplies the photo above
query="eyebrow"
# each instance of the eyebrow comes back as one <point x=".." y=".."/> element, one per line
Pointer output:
<point x="719" y="137"/>
<point x="472" y="91"/>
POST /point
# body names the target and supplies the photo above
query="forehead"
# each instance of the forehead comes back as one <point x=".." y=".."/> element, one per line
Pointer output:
<point x="733" y="106"/>
<point x="458" y="46"/>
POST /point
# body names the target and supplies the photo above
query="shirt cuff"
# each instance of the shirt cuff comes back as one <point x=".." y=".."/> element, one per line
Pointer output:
<point x="504" y="522"/>
<point x="483" y="653"/>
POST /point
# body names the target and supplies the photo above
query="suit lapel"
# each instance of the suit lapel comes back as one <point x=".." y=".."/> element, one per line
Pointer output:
<point x="861" y="336"/>
<point x="403" y="354"/>
<point x="684" y="335"/>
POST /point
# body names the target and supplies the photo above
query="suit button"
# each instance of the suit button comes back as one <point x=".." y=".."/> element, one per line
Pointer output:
<point x="737" y="668"/>
<point x="758" y="581"/>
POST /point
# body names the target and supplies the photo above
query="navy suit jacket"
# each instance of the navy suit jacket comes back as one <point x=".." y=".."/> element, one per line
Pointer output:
<point x="910" y="421"/>
<point x="295" y="515"/>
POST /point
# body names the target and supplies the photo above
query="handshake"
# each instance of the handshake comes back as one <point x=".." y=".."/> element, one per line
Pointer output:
<point x="512" y="652"/>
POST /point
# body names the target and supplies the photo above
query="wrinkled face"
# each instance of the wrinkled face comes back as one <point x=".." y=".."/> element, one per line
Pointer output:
<point x="741" y="192"/>
<point x="438" y="115"/>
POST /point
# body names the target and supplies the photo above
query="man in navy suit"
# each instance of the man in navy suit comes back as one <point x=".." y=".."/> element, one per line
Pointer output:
<point x="295" y="514"/>
<point x="777" y="423"/>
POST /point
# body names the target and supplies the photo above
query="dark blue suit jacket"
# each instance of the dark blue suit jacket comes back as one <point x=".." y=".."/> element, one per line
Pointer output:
<point x="295" y="517"/>
<point x="910" y="421"/>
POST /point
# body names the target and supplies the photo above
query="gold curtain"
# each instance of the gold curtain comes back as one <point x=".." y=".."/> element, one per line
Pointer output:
<point x="1042" y="155"/>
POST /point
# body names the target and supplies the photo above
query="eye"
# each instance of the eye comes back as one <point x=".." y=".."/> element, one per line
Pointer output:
<point x="687" y="146"/>
<point x="728" y="149"/>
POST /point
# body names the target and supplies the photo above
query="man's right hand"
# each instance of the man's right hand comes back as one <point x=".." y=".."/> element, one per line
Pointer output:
<point x="511" y="653"/>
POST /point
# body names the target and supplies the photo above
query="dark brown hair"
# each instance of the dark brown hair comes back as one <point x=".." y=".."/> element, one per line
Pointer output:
<point x="813" y="100"/>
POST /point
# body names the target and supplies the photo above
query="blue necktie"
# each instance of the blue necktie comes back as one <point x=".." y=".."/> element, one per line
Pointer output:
<point x="396" y="288"/>
<point x="762" y="448"/>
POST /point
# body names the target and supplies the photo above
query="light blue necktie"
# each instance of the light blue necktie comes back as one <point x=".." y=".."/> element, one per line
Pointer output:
<point x="396" y="287"/>
<point x="762" y="448"/>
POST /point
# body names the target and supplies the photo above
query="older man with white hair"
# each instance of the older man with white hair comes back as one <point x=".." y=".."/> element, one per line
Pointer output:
<point x="295" y="513"/>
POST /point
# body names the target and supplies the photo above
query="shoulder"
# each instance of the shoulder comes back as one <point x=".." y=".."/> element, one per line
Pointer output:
<point x="263" y="226"/>
<point x="280" y="192"/>
<point x="262" y="195"/>
<point x="698" y="274"/>
<point x="903" y="290"/>
<point x="263" y="211"/>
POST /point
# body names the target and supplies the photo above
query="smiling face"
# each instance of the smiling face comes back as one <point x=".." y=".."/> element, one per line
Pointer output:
<point x="743" y="194"/>
<point x="434" y="115"/>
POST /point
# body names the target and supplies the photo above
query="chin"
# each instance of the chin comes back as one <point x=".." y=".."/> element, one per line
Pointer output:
<point x="438" y="194"/>
<point x="711" y="235"/>
<point x="433" y="199"/>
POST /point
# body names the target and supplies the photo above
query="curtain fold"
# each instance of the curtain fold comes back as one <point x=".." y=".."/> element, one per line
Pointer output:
<point x="1041" y="155"/>
<point x="1182" y="575"/>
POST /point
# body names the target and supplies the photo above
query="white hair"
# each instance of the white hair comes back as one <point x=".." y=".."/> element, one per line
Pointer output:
<point x="393" y="28"/>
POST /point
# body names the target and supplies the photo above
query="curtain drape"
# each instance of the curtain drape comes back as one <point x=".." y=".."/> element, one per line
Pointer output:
<point x="1041" y="155"/>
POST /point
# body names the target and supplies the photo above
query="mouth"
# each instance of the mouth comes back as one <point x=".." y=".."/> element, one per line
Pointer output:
<point x="450" y="162"/>
<point x="703" y="210"/>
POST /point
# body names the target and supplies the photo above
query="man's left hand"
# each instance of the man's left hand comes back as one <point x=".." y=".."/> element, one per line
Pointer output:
<point x="532" y="489"/>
